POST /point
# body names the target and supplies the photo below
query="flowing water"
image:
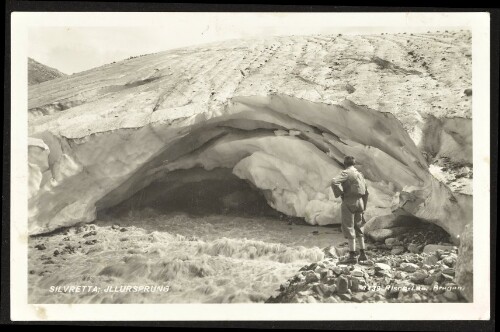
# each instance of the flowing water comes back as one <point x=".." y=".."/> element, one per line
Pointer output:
<point x="180" y="257"/>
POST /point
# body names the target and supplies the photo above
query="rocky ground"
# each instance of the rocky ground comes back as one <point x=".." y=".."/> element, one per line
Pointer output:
<point x="405" y="269"/>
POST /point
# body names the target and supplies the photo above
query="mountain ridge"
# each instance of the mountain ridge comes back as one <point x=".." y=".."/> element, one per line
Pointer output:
<point x="38" y="72"/>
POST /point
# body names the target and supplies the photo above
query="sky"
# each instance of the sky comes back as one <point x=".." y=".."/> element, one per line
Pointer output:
<point x="73" y="46"/>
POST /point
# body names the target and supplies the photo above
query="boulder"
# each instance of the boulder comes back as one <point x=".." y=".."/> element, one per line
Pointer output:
<point x="342" y="285"/>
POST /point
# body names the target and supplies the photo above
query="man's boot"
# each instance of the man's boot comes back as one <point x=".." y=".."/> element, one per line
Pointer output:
<point x="362" y="256"/>
<point x="351" y="259"/>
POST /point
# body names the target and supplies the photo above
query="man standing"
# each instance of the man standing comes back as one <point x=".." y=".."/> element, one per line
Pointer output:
<point x="350" y="185"/>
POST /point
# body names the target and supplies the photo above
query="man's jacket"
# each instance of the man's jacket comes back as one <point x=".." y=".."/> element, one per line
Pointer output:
<point x="351" y="186"/>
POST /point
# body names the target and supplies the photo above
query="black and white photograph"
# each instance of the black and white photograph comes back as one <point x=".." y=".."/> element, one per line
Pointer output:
<point x="324" y="160"/>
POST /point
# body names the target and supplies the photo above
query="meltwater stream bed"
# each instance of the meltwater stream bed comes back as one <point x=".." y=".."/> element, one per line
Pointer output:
<point x="181" y="257"/>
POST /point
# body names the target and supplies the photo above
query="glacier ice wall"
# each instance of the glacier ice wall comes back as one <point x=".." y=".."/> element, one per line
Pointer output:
<point x="286" y="147"/>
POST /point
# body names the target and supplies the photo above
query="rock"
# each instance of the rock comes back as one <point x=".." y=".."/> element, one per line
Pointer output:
<point x="449" y="271"/>
<point x="468" y="92"/>
<point x="319" y="269"/>
<point x="447" y="277"/>
<point x="91" y="233"/>
<point x="346" y="269"/>
<point x="123" y="229"/>
<point x="419" y="276"/>
<point x="323" y="290"/>
<point x="397" y="250"/>
<point x="284" y="286"/>
<point x="431" y="260"/>
<point x="299" y="278"/>
<point x="464" y="266"/>
<point x="49" y="261"/>
<point x="115" y="226"/>
<point x="70" y="249"/>
<point x="358" y="297"/>
<point x="80" y="229"/>
<point x="369" y="262"/>
<point x="413" y="248"/>
<point x="337" y="270"/>
<point x="41" y="246"/>
<point x="370" y="294"/>
<point x="389" y="242"/>
<point x="450" y="296"/>
<point x="345" y="297"/>
<point x="349" y="88"/>
<point x="357" y="273"/>
<point x="440" y="253"/>
<point x="431" y="248"/>
<point x="409" y="267"/>
<point x="311" y="277"/>
<point x="380" y="234"/>
<point x="57" y="252"/>
<point x="384" y="273"/>
<point x="326" y="274"/>
<point x="310" y="267"/>
<point x="429" y="280"/>
<point x="342" y="285"/>
<point x="382" y="266"/>
<point x="370" y="272"/>
<point x="90" y="242"/>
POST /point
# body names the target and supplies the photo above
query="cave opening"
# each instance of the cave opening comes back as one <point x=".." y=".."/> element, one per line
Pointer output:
<point x="198" y="192"/>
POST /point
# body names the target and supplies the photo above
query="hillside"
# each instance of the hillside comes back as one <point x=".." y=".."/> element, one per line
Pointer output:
<point x="38" y="73"/>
